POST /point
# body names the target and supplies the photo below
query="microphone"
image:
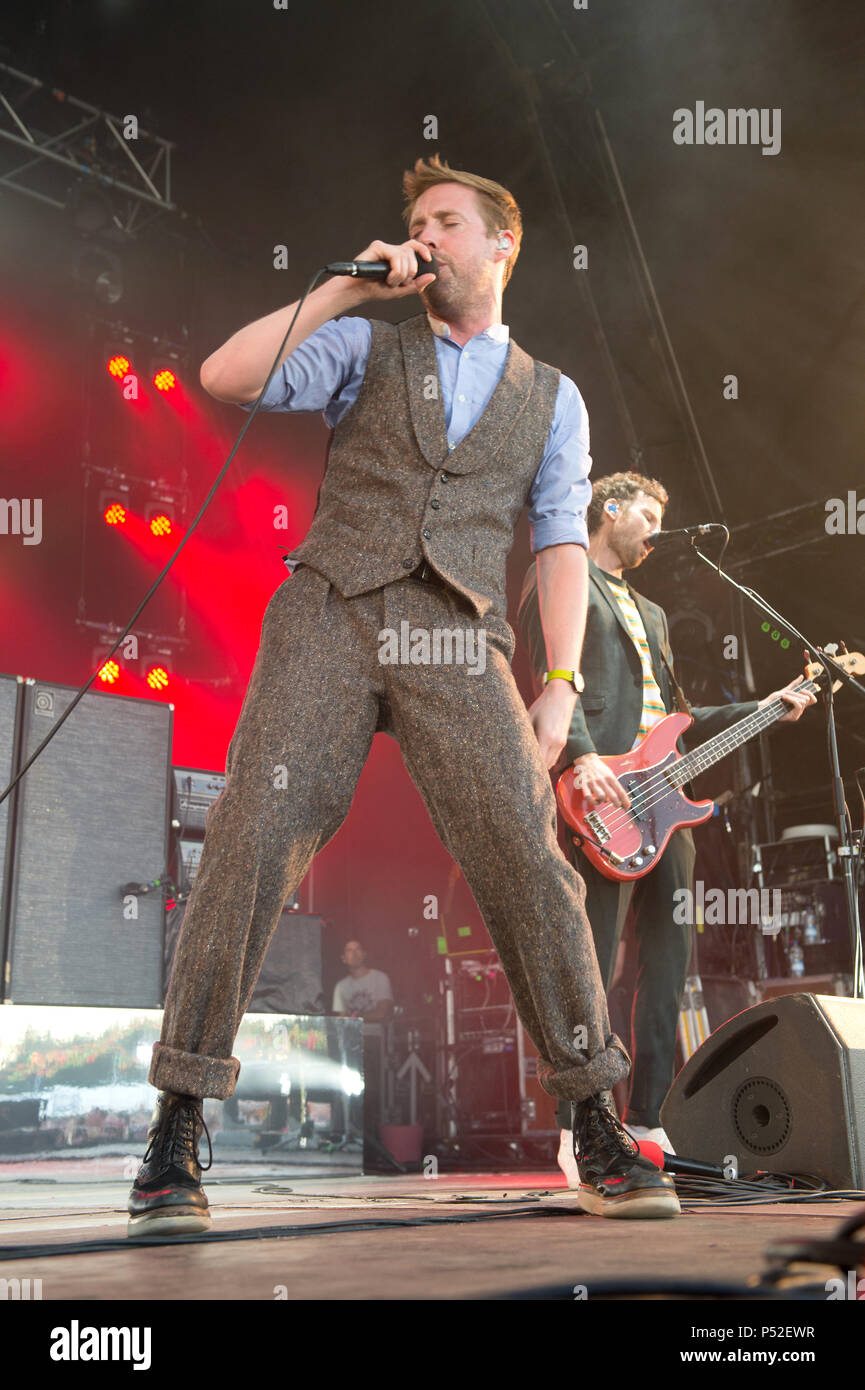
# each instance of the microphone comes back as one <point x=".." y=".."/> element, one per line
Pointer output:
<point x="671" y="1163"/>
<point x="378" y="270"/>
<point x="688" y="531"/>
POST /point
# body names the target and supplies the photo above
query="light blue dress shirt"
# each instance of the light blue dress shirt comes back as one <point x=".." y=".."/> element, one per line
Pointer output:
<point x="326" y="370"/>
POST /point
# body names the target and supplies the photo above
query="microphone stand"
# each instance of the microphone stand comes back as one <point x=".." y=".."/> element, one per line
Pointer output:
<point x="847" y="853"/>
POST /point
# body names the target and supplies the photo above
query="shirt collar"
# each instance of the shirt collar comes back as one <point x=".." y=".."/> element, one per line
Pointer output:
<point x="497" y="332"/>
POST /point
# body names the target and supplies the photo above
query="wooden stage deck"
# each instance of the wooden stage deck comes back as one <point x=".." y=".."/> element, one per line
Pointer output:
<point x="456" y="1237"/>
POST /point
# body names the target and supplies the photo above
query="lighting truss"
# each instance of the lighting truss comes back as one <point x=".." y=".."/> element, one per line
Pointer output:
<point x="61" y="135"/>
<point x="777" y="534"/>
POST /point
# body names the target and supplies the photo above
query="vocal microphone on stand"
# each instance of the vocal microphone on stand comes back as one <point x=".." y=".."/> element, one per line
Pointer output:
<point x="685" y="531"/>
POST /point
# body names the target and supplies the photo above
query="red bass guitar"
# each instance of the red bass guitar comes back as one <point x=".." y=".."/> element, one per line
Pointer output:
<point x="625" y="845"/>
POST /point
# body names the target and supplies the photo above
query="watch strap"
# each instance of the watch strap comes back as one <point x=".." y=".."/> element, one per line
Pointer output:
<point x="572" y="677"/>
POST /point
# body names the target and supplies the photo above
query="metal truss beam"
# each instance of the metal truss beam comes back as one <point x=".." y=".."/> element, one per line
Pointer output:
<point x="64" y="136"/>
<point x="777" y="534"/>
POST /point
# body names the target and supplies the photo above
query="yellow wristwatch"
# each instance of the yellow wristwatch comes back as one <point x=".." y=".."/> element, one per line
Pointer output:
<point x="572" y="677"/>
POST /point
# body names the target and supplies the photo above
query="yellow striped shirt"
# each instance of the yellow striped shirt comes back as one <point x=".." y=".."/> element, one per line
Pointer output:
<point x="654" y="709"/>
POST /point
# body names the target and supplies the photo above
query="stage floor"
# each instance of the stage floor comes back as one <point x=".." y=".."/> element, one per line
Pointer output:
<point x="456" y="1237"/>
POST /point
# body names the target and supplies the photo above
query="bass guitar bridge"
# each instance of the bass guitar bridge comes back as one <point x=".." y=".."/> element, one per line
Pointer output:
<point x="600" y="831"/>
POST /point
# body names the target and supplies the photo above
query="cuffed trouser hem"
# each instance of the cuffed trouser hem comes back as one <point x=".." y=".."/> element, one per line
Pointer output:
<point x="191" y="1074"/>
<point x="599" y="1073"/>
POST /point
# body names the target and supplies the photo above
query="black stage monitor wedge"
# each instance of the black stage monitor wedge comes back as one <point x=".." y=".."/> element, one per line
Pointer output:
<point x="780" y="1086"/>
<point x="91" y="817"/>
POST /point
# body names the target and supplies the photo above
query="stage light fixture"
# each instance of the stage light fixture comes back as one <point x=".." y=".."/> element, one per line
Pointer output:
<point x="164" y="379"/>
<point x="107" y="668"/>
<point x="109" y="672"/>
<point x="160" y="524"/>
<point x="161" y="516"/>
<point x="114" y="505"/>
<point x="118" y="366"/>
<point x="99" y="272"/>
<point x="157" y="677"/>
<point x="167" y="360"/>
<point x="157" y="666"/>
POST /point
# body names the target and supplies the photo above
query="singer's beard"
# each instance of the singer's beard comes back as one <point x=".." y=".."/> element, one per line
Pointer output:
<point x="453" y="297"/>
<point x="441" y="299"/>
<point x="634" y="557"/>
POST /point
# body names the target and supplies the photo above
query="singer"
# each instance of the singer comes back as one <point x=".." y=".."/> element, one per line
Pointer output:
<point x="629" y="686"/>
<point x="443" y="428"/>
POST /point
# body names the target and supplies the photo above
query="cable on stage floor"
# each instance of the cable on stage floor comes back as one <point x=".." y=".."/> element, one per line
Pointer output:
<point x="88" y="1247"/>
<point x="760" y="1189"/>
<point x="690" y="1189"/>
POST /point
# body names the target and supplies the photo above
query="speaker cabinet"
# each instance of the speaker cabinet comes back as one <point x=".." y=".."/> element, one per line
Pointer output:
<point x="781" y="1086"/>
<point x="290" y="980"/>
<point x="89" y="816"/>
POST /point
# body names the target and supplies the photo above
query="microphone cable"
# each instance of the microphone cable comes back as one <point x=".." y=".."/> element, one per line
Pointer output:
<point x="155" y="585"/>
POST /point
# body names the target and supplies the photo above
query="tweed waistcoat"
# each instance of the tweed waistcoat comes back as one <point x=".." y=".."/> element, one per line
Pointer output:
<point x="394" y="494"/>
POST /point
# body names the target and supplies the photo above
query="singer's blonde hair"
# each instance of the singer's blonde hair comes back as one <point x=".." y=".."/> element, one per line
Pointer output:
<point x="496" y="205"/>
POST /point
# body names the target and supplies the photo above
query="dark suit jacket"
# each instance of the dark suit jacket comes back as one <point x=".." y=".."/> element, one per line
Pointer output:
<point x="607" y="714"/>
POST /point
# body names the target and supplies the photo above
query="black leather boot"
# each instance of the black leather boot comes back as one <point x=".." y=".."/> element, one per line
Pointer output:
<point x="167" y="1197"/>
<point x="615" y="1179"/>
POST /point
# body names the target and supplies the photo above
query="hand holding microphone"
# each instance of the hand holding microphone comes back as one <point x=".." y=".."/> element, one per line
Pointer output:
<point x="390" y="272"/>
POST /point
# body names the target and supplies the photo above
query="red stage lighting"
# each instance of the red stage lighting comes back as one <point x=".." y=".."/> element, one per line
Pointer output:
<point x="160" y="524"/>
<point x="118" y="366"/>
<point x="157" y="678"/>
<point x="164" y="379"/>
<point x="114" y="514"/>
<point x="109" y="672"/>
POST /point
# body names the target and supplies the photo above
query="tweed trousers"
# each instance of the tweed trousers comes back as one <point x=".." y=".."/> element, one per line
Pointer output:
<point x="663" y="951"/>
<point x="318" y="693"/>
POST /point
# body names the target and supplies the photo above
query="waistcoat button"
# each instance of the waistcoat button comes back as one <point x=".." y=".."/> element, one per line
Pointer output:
<point x="426" y="533"/>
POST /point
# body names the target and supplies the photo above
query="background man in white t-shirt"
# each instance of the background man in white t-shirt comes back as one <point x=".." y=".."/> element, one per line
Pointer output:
<point x="363" y="993"/>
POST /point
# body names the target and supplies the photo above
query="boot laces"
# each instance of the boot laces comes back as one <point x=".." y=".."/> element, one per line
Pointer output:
<point x="178" y="1132"/>
<point x="599" y="1126"/>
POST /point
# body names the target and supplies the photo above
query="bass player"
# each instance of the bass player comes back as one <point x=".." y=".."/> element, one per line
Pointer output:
<point x="629" y="687"/>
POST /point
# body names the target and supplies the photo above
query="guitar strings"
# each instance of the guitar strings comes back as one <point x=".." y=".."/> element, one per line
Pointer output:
<point x="640" y="802"/>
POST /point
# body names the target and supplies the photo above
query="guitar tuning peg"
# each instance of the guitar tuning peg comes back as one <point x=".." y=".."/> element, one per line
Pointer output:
<point x="843" y="648"/>
<point x="831" y="649"/>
